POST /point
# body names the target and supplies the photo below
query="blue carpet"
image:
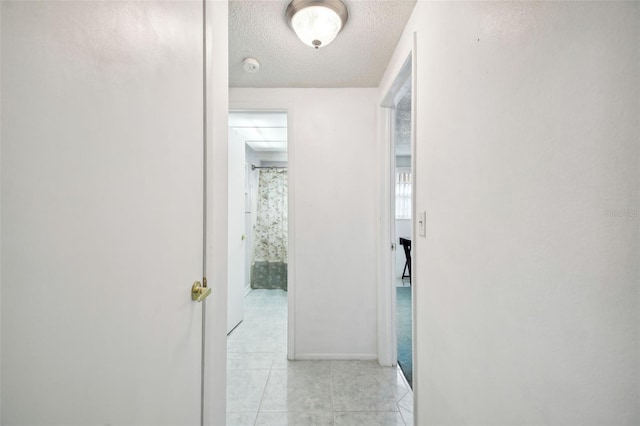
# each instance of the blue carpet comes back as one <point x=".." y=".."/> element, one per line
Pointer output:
<point x="403" y="331"/>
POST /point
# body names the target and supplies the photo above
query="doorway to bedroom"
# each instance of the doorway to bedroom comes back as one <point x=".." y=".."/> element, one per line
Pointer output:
<point x="401" y="219"/>
<point x="403" y="225"/>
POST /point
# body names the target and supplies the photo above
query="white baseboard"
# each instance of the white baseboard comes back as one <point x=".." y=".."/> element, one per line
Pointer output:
<point x="247" y="290"/>
<point x="340" y="357"/>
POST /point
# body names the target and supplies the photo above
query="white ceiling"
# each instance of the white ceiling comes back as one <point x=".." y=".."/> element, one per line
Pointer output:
<point x="262" y="131"/>
<point x="357" y="57"/>
<point x="403" y="121"/>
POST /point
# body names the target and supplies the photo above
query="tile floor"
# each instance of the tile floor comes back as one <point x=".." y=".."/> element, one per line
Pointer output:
<point x="264" y="389"/>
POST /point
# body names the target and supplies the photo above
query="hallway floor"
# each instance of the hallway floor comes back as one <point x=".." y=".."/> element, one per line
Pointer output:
<point x="263" y="388"/>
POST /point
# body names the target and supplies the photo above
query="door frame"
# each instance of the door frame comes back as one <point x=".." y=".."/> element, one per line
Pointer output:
<point x="268" y="106"/>
<point x="387" y="339"/>
<point x="214" y="352"/>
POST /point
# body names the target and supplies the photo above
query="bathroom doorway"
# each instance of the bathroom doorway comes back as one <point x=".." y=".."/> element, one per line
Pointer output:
<point x="258" y="234"/>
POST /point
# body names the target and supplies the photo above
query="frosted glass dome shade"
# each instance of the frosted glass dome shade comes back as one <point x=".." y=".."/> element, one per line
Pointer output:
<point x="317" y="23"/>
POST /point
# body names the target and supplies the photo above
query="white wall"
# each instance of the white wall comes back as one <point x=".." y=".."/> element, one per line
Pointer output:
<point x="332" y="150"/>
<point x="403" y="161"/>
<point x="526" y="285"/>
<point x="272" y="157"/>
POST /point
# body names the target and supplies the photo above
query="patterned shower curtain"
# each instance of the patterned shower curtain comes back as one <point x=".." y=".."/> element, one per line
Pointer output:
<point x="269" y="268"/>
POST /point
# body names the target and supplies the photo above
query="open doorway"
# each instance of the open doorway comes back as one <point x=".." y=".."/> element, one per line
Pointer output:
<point x="402" y="222"/>
<point x="258" y="210"/>
<point x="399" y="169"/>
<point x="258" y="246"/>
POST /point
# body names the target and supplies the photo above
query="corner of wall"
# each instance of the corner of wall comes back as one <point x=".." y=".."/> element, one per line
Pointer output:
<point x="384" y="317"/>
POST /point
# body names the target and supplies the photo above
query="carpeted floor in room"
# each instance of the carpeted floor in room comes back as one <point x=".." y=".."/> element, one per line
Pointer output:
<point x="404" y="332"/>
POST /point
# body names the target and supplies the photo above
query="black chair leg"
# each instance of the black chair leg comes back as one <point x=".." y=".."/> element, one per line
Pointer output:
<point x="406" y="245"/>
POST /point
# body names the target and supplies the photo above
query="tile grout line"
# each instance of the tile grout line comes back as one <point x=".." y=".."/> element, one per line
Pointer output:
<point x="264" y="391"/>
<point x="408" y="393"/>
<point x="400" y="412"/>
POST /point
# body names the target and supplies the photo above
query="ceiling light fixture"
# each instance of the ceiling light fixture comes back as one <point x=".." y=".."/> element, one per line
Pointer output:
<point x="317" y="22"/>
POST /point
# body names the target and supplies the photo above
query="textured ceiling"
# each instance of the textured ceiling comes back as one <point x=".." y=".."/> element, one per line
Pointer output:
<point x="264" y="131"/>
<point x="403" y="121"/>
<point x="356" y="58"/>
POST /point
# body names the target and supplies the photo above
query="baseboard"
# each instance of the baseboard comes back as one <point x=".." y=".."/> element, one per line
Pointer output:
<point x="339" y="357"/>
<point x="247" y="290"/>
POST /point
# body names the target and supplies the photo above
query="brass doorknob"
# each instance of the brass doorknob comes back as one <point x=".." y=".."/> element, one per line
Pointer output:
<point x="199" y="292"/>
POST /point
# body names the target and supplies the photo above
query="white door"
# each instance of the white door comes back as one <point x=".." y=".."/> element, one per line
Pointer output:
<point x="102" y="212"/>
<point x="237" y="233"/>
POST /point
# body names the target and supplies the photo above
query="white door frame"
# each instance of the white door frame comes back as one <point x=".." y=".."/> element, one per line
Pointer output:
<point x="262" y="106"/>
<point x="214" y="376"/>
<point x="387" y="339"/>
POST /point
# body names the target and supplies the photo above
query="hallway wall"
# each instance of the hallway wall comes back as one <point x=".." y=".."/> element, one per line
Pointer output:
<point x="527" y="166"/>
<point x="332" y="143"/>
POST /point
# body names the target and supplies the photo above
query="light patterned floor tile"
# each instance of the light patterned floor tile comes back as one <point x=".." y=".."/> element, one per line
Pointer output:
<point x="407" y="416"/>
<point x="264" y="388"/>
<point x="241" y="419"/>
<point x="289" y="390"/>
<point x="249" y="364"/>
<point x="406" y="402"/>
<point x="245" y="389"/>
<point x="368" y="419"/>
<point x="295" y="418"/>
